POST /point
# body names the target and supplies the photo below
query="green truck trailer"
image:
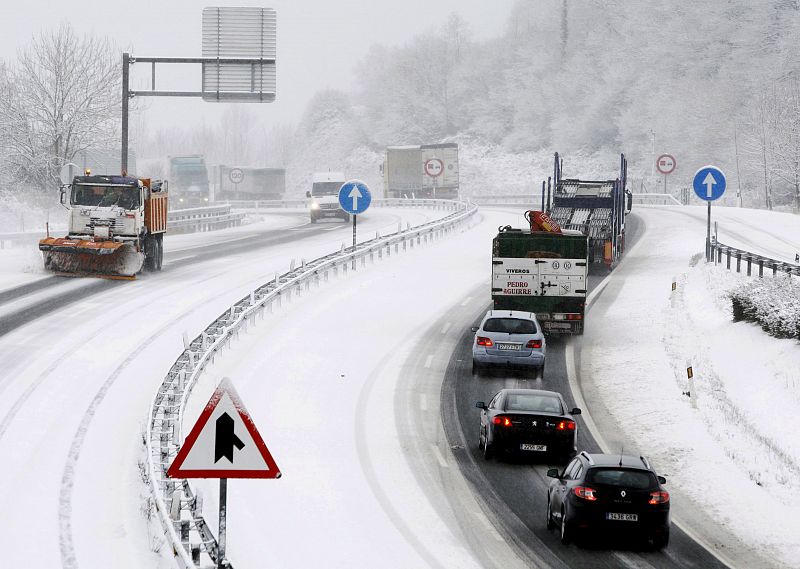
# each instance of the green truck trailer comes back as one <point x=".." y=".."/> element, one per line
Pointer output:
<point x="543" y="272"/>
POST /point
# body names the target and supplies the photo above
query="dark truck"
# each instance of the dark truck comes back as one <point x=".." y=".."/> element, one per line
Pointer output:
<point x="596" y="208"/>
<point x="542" y="270"/>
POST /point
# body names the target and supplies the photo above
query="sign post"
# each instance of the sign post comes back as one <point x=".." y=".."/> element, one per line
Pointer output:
<point x="709" y="185"/>
<point x="666" y="165"/>
<point x="434" y="168"/>
<point x="224" y="443"/>
<point x="354" y="198"/>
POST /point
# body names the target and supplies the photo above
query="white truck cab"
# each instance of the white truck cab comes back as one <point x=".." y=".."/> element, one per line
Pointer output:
<point x="324" y="196"/>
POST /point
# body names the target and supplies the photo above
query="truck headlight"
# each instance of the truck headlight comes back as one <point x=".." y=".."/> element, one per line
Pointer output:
<point x="314" y="205"/>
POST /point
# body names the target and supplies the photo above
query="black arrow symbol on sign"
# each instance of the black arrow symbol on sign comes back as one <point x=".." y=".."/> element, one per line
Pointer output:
<point x="226" y="439"/>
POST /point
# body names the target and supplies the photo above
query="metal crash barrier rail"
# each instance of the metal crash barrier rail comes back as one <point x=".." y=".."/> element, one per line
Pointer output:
<point x="177" y="506"/>
<point x="718" y="250"/>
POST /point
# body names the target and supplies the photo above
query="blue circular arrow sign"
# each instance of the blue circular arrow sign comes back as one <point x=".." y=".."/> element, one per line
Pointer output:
<point x="709" y="183"/>
<point x="354" y="197"/>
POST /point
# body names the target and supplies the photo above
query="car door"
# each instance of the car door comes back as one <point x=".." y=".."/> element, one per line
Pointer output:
<point x="559" y="492"/>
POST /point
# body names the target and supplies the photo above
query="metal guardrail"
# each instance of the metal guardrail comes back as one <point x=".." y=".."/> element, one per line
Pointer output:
<point x="720" y="249"/>
<point x="655" y="199"/>
<point x="178" y="507"/>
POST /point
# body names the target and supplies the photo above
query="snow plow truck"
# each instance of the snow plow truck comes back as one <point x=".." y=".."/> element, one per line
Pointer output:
<point x="116" y="227"/>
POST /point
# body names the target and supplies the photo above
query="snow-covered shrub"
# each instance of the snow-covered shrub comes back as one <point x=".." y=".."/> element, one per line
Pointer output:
<point x="774" y="303"/>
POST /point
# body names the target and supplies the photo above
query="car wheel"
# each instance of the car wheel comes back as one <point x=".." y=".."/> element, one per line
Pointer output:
<point x="476" y="368"/>
<point x="660" y="541"/>
<point x="550" y="523"/>
<point x="566" y="532"/>
<point x="540" y="372"/>
<point x="488" y="449"/>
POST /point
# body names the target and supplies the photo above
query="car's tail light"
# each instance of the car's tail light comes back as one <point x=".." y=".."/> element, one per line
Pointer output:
<point x="585" y="492"/>
<point x="534" y="344"/>
<point x="566" y="426"/>
<point x="574" y="317"/>
<point x="502" y="421"/>
<point x="659" y="497"/>
<point x="481" y="341"/>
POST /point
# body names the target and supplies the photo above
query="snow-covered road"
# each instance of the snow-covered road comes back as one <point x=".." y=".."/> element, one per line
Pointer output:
<point x="77" y="382"/>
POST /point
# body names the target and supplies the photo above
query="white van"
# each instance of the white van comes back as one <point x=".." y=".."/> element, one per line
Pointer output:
<point x="324" y="196"/>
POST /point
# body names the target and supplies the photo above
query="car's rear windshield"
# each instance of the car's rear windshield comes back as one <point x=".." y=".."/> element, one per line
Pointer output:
<point x="510" y="326"/>
<point x="532" y="402"/>
<point x="638" y="479"/>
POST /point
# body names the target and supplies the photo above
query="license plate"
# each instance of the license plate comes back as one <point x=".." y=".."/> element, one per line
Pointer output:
<point x="538" y="448"/>
<point x="501" y="346"/>
<point x="623" y="517"/>
<point x="559" y="325"/>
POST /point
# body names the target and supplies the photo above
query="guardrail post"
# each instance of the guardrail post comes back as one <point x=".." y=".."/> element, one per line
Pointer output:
<point x="774" y="269"/>
<point x="728" y="251"/>
<point x="738" y="262"/>
<point x="749" y="264"/>
<point x="761" y="267"/>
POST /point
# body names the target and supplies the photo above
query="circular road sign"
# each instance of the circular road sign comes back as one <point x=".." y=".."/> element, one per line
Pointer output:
<point x="666" y="163"/>
<point x="354" y="197"/>
<point x="709" y="183"/>
<point x="434" y="167"/>
<point x="236" y="175"/>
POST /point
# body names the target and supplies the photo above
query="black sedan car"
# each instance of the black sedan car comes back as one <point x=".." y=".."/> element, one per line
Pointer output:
<point x="617" y="493"/>
<point x="530" y="421"/>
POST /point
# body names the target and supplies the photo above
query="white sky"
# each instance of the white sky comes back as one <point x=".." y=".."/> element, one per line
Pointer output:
<point x="319" y="41"/>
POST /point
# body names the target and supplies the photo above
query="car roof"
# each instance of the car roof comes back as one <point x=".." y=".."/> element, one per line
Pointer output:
<point x="610" y="460"/>
<point x="511" y="314"/>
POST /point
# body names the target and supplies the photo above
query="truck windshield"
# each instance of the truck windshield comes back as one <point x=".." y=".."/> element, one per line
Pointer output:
<point x="326" y="188"/>
<point x="126" y="197"/>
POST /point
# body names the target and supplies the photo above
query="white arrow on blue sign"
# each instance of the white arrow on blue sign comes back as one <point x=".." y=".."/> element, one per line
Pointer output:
<point x="354" y="197"/>
<point x="709" y="183"/>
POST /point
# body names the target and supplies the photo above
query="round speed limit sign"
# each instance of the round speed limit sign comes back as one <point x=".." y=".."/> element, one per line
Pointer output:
<point x="236" y="175"/>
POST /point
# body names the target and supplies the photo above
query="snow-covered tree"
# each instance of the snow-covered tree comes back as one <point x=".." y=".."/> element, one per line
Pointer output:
<point x="62" y="97"/>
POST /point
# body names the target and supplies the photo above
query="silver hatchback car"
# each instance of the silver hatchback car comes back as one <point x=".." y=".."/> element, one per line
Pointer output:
<point x="509" y="338"/>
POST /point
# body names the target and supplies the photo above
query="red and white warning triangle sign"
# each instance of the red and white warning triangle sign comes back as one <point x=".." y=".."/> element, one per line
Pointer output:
<point x="224" y="442"/>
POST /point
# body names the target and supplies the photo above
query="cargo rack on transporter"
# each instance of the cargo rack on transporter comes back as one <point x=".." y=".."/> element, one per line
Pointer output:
<point x="595" y="207"/>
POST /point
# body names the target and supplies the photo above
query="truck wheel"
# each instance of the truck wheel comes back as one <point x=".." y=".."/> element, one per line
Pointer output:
<point x="313" y="219"/>
<point x="160" y="254"/>
<point x="150" y="251"/>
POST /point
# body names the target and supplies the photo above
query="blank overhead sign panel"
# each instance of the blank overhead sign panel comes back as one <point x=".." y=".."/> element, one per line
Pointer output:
<point x="237" y="32"/>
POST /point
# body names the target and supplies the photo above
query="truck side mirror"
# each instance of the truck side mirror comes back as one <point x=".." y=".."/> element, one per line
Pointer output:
<point x="62" y="198"/>
<point x="308" y="194"/>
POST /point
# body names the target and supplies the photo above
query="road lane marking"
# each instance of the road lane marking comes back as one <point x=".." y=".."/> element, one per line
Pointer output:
<point x="446" y="327"/>
<point x="428" y="361"/>
<point x="489" y="526"/>
<point x="423" y="402"/>
<point x="466" y="301"/>
<point x="439" y="457"/>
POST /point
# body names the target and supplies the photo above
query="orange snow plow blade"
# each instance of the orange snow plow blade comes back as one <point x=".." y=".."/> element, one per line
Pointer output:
<point x="84" y="257"/>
